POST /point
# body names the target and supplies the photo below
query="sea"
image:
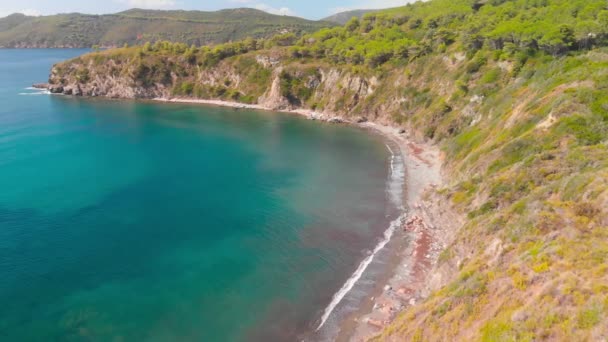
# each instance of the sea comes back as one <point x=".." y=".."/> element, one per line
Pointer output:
<point x="125" y="220"/>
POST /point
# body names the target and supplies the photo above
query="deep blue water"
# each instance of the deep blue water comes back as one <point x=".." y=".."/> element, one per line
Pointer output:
<point x="136" y="221"/>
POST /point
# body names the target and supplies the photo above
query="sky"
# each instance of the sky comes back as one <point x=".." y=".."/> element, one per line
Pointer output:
<point x="310" y="9"/>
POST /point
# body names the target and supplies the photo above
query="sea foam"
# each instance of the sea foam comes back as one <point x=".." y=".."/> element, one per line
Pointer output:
<point x="395" y="192"/>
<point x="35" y="91"/>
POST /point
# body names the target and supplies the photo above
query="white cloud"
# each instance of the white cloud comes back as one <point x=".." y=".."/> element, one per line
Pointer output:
<point x="28" y="11"/>
<point x="264" y="7"/>
<point x="335" y="10"/>
<point x="149" y="3"/>
<point x="273" y="10"/>
<point x="31" y="12"/>
<point x="385" y="3"/>
<point x="372" y="4"/>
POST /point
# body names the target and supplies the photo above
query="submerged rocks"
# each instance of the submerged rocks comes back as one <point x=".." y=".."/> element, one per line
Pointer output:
<point x="72" y="90"/>
<point x="56" y="89"/>
<point x="60" y="89"/>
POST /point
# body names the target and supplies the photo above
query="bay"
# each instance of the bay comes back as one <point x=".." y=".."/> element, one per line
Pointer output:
<point x="131" y="220"/>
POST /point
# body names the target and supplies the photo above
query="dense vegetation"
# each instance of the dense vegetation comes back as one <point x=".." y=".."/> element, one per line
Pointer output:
<point x="505" y="26"/>
<point x="138" y="26"/>
<point x="516" y="94"/>
<point x="511" y="29"/>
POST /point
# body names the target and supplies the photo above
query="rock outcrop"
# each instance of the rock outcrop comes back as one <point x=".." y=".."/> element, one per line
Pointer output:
<point x="330" y="90"/>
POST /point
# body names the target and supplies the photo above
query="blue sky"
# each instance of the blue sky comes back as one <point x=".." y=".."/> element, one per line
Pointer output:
<point x="311" y="9"/>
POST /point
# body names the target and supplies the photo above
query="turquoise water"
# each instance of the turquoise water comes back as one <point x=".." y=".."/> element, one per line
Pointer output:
<point x="141" y="221"/>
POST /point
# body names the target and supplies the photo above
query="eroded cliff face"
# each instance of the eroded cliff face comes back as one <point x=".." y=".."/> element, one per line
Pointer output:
<point x="270" y="81"/>
<point x="110" y="79"/>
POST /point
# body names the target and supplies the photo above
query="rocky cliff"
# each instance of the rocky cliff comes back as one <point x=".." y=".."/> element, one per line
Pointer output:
<point x="271" y="79"/>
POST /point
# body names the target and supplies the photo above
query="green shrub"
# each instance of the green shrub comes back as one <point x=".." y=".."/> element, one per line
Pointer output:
<point x="476" y="64"/>
<point x="491" y="76"/>
<point x="497" y="332"/>
<point x="585" y="131"/>
<point x="186" y="88"/>
<point x="588" y="318"/>
<point x="515" y="152"/>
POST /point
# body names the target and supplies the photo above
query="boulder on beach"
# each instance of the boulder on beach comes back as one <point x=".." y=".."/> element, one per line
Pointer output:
<point x="316" y="116"/>
<point x="376" y="323"/>
<point x="335" y="119"/>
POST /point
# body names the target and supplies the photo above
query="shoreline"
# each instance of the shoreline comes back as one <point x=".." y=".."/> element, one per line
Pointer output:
<point x="428" y="227"/>
<point x="310" y="114"/>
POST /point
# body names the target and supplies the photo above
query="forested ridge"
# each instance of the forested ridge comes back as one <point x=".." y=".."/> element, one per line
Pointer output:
<point x="136" y="26"/>
<point x="509" y="29"/>
<point x="553" y="27"/>
<point x="515" y="92"/>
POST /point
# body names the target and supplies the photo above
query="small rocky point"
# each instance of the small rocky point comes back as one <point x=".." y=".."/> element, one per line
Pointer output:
<point x="54" y="89"/>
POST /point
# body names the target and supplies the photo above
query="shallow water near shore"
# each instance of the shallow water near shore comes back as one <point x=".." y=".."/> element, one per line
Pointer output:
<point x="160" y="222"/>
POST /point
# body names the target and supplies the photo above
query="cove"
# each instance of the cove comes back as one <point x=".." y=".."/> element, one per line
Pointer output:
<point x="159" y="222"/>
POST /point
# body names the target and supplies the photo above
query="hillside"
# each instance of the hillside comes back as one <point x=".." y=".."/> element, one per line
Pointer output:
<point x="343" y="17"/>
<point x="514" y="93"/>
<point x="137" y="26"/>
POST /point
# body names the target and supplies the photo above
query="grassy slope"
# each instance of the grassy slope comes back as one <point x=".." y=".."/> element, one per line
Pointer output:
<point x="529" y="168"/>
<point x="523" y="122"/>
<point x="191" y="27"/>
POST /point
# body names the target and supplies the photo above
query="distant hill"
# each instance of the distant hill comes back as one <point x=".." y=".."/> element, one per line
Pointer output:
<point x="136" y="26"/>
<point x="343" y="17"/>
